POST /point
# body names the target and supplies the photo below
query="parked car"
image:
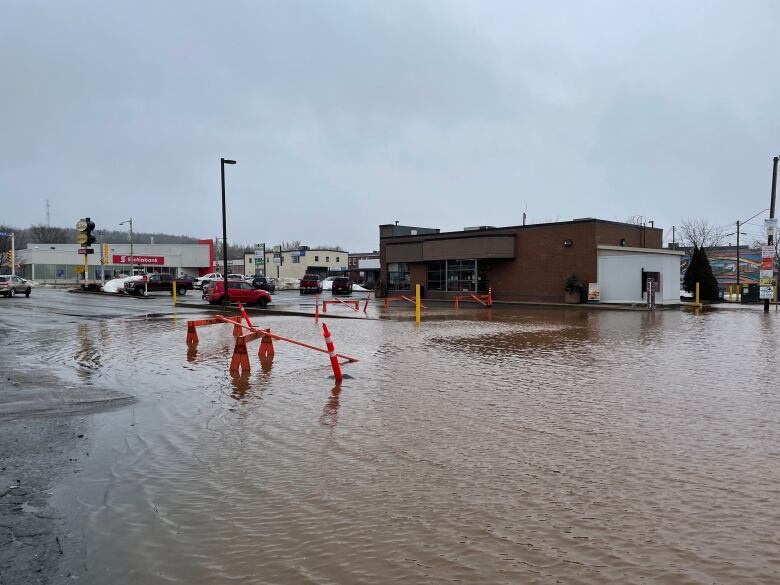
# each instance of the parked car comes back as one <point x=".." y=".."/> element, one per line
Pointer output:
<point x="156" y="283"/>
<point x="263" y="283"/>
<point x="310" y="283"/>
<point x="206" y="278"/>
<point x="341" y="286"/>
<point x="235" y="277"/>
<point x="237" y="291"/>
<point x="186" y="278"/>
<point x="10" y="286"/>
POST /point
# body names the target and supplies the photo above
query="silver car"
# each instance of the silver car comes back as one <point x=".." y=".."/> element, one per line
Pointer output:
<point x="10" y="286"/>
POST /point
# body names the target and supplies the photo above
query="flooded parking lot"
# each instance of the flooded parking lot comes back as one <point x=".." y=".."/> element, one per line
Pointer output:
<point x="502" y="446"/>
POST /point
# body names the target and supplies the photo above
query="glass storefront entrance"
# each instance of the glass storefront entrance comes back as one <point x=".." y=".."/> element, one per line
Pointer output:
<point x="457" y="276"/>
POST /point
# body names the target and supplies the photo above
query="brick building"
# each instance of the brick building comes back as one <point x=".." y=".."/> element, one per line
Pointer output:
<point x="364" y="268"/>
<point x="529" y="263"/>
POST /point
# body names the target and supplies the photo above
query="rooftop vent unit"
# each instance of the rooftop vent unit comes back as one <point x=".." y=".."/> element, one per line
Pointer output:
<point x="479" y="227"/>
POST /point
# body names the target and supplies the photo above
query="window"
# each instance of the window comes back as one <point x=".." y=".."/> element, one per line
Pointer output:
<point x="296" y="259"/>
<point x="316" y="258"/>
<point x="338" y="258"/>
<point x="327" y="259"/>
<point x="437" y="275"/>
<point x="453" y="275"/>
<point x="461" y="275"/>
<point x="398" y="276"/>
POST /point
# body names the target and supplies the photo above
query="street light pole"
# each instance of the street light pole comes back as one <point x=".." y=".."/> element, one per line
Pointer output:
<point x="223" y="162"/>
<point x="770" y="238"/>
<point x="132" y="258"/>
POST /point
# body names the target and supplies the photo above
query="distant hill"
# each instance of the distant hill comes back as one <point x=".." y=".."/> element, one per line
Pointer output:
<point x="43" y="234"/>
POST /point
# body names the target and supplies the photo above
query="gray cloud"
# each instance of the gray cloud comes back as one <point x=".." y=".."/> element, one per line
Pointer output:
<point x="344" y="115"/>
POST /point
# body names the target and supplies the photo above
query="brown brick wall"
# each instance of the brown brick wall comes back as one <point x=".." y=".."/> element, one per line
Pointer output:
<point x="541" y="261"/>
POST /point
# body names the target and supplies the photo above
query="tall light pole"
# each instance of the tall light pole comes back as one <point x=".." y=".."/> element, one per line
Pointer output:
<point x="223" y="162"/>
<point x="132" y="258"/>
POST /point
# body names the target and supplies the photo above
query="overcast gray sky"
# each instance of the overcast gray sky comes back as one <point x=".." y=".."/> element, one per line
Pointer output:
<point x="345" y="115"/>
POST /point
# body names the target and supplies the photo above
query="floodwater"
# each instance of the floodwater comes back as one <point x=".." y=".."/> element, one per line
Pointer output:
<point x="524" y="446"/>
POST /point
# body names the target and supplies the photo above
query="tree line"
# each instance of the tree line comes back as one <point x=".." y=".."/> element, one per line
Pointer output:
<point x="45" y="234"/>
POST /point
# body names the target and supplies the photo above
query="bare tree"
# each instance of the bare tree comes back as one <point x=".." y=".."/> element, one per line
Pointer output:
<point x="700" y="233"/>
<point x="44" y="234"/>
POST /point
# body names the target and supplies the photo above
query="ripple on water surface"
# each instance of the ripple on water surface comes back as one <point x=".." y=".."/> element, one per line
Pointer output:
<point x="539" y="447"/>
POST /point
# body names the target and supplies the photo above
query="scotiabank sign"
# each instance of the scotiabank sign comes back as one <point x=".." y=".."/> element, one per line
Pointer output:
<point x="138" y="259"/>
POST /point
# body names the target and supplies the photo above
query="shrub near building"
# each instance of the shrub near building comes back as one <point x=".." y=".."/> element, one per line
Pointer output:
<point x="699" y="270"/>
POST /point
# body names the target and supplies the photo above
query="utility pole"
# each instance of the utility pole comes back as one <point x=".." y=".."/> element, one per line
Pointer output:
<point x="770" y="238"/>
<point x="674" y="242"/>
<point x="738" y="289"/>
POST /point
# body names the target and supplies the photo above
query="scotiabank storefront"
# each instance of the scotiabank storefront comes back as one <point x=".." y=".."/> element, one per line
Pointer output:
<point x="52" y="263"/>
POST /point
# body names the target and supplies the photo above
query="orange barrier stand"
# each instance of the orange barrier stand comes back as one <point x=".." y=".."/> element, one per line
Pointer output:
<point x="349" y="303"/>
<point x="365" y="306"/>
<point x="317" y="308"/>
<point x="192" y="332"/>
<point x="240" y="358"/>
<point x="389" y="300"/>
<point x="486" y="300"/>
<point x="266" y="351"/>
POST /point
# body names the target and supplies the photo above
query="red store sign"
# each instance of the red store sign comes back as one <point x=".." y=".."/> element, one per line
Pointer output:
<point x="138" y="259"/>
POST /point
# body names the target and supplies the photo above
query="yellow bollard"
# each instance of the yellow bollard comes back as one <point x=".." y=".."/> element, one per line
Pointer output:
<point x="698" y="304"/>
<point x="417" y="303"/>
<point x="174" y="293"/>
<point x="731" y="290"/>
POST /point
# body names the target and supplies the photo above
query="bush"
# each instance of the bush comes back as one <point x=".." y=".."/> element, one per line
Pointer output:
<point x="573" y="284"/>
<point x="699" y="270"/>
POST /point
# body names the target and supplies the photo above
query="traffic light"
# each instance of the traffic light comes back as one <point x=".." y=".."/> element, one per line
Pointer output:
<point x="106" y="251"/>
<point x="85" y="237"/>
<point x="9" y="258"/>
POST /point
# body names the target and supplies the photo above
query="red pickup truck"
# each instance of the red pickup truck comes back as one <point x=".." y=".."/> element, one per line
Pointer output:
<point x="310" y="283"/>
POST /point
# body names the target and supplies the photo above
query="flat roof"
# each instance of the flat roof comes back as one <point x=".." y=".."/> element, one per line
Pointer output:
<point x="473" y="233"/>
<point x="642" y="250"/>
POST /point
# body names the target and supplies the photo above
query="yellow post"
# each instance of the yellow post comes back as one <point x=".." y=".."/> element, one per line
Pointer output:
<point x="174" y="293"/>
<point x="86" y="272"/>
<point x="730" y="291"/>
<point x="417" y="303"/>
<point x="698" y="304"/>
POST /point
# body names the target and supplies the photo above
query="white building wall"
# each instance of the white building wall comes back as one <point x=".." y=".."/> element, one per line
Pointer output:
<point x="620" y="274"/>
<point x="332" y="260"/>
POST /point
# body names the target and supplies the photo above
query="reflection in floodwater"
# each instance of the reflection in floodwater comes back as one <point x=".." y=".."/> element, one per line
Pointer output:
<point x="330" y="413"/>
<point x="241" y="384"/>
<point x="87" y="355"/>
<point x="192" y="352"/>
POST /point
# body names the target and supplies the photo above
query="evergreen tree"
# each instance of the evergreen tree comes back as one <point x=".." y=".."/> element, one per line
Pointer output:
<point x="699" y="270"/>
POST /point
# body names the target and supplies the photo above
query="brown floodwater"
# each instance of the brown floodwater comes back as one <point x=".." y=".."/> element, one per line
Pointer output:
<point x="527" y="446"/>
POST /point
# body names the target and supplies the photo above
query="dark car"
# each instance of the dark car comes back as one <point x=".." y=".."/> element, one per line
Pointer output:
<point x="237" y="292"/>
<point x="310" y="283"/>
<point x="263" y="283"/>
<point x="157" y="283"/>
<point x="186" y="278"/>
<point x="341" y="286"/>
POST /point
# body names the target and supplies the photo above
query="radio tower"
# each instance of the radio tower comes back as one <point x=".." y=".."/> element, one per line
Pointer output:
<point x="48" y="214"/>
